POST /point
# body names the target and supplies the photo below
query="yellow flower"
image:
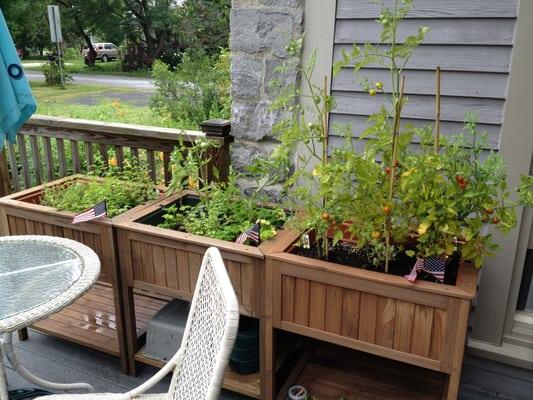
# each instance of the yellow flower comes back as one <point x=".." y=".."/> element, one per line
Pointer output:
<point x="113" y="161"/>
<point x="408" y="172"/>
<point x="316" y="172"/>
<point x="193" y="183"/>
<point x="422" y="228"/>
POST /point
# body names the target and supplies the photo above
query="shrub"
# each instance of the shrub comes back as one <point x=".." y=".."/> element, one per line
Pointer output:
<point x="197" y="90"/>
<point x="71" y="53"/>
<point x="52" y="73"/>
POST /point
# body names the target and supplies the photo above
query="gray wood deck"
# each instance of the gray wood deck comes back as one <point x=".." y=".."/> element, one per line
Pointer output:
<point x="65" y="362"/>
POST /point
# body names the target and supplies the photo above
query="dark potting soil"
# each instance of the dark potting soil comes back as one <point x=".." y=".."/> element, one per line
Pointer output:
<point x="346" y="253"/>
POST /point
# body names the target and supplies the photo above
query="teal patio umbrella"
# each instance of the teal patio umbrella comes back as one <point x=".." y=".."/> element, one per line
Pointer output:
<point x="16" y="100"/>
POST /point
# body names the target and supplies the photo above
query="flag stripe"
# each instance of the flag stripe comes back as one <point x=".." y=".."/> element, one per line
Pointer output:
<point x="252" y="233"/>
<point x="99" y="210"/>
<point x="436" y="267"/>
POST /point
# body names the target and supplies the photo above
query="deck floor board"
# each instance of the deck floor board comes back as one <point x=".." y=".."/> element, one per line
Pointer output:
<point x="90" y="321"/>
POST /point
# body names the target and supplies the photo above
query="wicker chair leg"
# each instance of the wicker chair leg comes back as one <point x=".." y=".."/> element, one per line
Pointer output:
<point x="23" y="334"/>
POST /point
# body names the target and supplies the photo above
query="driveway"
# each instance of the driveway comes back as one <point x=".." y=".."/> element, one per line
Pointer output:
<point x="104" y="80"/>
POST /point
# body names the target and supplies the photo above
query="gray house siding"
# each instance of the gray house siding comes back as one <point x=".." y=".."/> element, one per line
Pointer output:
<point x="470" y="40"/>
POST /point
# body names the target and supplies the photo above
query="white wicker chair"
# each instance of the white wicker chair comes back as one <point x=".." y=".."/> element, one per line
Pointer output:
<point x="200" y="364"/>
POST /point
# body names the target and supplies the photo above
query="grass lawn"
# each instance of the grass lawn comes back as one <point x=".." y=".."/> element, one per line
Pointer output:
<point x="76" y="66"/>
<point x="98" y="103"/>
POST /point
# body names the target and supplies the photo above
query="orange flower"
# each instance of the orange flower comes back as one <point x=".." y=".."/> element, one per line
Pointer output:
<point x="113" y="161"/>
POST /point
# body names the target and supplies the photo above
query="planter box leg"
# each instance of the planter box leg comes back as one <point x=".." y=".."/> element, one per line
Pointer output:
<point x="454" y="379"/>
<point x="131" y="329"/>
<point x="23" y="334"/>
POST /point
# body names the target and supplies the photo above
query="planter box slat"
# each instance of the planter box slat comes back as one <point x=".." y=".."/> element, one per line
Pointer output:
<point x="406" y="326"/>
<point x="186" y="242"/>
<point x="145" y="267"/>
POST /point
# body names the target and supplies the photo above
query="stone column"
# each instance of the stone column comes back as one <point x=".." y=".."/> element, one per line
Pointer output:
<point x="260" y="32"/>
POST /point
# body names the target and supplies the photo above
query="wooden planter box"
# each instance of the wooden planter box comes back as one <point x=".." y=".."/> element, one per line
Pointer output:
<point x="423" y="324"/>
<point x="167" y="262"/>
<point x="96" y="323"/>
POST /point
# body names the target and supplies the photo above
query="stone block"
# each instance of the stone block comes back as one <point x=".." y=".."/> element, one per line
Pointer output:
<point x="257" y="30"/>
<point x="246" y="77"/>
<point x="283" y="79"/>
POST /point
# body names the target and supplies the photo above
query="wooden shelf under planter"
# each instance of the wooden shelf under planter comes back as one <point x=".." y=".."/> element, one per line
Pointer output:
<point x="329" y="372"/>
<point x="422" y="324"/>
<point x="248" y="385"/>
<point x="22" y="214"/>
<point x="91" y="320"/>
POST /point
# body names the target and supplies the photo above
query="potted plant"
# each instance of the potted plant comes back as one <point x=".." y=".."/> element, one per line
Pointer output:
<point x="162" y="244"/>
<point x="49" y="209"/>
<point x="379" y="210"/>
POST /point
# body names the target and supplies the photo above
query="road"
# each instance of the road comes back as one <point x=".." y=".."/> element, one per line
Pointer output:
<point x="104" y="80"/>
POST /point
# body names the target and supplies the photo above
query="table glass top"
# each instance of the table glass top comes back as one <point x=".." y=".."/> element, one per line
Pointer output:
<point x="33" y="272"/>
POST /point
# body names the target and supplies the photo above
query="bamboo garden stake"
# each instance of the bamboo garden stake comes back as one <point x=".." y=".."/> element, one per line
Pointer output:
<point x="325" y="142"/>
<point x="437" y="109"/>
<point x="395" y="134"/>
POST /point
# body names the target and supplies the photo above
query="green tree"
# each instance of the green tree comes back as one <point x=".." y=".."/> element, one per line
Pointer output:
<point x="28" y="23"/>
<point x="204" y="25"/>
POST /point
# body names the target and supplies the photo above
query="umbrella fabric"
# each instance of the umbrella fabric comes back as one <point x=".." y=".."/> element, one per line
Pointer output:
<point x="16" y="100"/>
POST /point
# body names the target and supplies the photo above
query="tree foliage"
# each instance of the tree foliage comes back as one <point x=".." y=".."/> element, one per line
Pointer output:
<point x="27" y="23"/>
<point x="157" y="29"/>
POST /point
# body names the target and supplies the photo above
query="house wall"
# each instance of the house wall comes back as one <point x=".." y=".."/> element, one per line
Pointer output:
<point x="470" y="40"/>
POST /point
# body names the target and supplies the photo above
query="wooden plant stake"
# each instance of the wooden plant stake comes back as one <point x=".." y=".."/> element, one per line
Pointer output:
<point x="394" y="158"/>
<point x="325" y="142"/>
<point x="437" y="109"/>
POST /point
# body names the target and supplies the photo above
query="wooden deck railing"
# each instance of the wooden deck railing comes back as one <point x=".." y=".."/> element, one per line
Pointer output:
<point x="48" y="148"/>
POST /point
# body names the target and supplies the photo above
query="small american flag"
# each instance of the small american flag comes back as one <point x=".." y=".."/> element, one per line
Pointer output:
<point x="252" y="233"/>
<point x="99" y="210"/>
<point x="432" y="265"/>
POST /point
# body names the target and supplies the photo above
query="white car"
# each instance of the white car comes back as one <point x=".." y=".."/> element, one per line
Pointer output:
<point x="104" y="51"/>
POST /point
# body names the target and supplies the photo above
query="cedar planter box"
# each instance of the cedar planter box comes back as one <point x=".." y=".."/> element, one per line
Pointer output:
<point x="167" y="262"/>
<point x="423" y="324"/>
<point x="22" y="214"/>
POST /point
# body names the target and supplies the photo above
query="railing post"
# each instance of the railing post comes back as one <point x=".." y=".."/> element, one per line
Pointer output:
<point x="219" y="128"/>
<point x="5" y="185"/>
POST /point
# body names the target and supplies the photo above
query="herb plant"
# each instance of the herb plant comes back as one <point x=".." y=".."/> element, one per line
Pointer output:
<point x="121" y="190"/>
<point x="222" y="211"/>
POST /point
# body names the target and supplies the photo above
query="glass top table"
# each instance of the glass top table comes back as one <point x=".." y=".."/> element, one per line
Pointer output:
<point x="39" y="275"/>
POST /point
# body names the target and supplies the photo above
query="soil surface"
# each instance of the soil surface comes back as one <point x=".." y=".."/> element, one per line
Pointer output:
<point x="346" y="253"/>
